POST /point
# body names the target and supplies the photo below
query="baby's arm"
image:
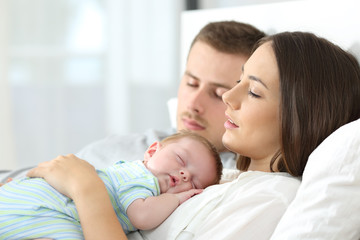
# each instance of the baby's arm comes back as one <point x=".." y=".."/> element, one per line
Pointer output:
<point x="148" y="213"/>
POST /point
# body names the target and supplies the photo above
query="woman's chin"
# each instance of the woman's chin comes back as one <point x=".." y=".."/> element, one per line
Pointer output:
<point x="228" y="142"/>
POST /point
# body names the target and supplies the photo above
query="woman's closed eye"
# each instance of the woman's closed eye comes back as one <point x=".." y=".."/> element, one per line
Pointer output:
<point x="252" y="94"/>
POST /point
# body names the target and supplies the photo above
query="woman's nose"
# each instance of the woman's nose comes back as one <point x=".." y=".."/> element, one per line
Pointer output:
<point x="231" y="98"/>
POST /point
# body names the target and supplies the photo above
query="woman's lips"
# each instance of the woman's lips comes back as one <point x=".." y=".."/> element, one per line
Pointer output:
<point x="192" y="124"/>
<point x="229" y="124"/>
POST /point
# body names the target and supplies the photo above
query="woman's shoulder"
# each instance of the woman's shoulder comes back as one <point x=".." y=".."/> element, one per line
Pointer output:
<point x="272" y="183"/>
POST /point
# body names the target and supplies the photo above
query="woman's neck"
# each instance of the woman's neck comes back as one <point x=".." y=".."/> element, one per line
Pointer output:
<point x="259" y="166"/>
<point x="263" y="164"/>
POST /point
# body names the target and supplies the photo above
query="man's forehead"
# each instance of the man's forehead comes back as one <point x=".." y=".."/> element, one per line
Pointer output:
<point x="217" y="83"/>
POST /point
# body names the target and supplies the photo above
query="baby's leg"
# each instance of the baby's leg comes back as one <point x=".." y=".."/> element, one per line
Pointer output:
<point x="31" y="209"/>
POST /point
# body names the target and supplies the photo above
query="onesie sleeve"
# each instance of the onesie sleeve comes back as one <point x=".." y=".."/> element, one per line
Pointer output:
<point x="137" y="188"/>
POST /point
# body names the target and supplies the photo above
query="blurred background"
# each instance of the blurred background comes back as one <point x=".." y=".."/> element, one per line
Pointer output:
<point x="75" y="71"/>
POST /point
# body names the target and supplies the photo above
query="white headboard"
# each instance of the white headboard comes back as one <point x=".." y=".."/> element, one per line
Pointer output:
<point x="337" y="21"/>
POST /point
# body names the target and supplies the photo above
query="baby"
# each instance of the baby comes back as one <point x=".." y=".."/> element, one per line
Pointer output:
<point x="143" y="193"/>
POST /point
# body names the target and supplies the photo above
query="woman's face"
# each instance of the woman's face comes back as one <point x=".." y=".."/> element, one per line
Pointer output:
<point x="253" y="125"/>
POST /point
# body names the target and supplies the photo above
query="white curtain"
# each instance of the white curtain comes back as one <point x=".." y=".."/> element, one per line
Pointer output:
<point x="75" y="71"/>
<point x="7" y="153"/>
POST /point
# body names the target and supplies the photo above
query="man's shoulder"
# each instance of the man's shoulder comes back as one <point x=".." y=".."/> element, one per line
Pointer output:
<point x="147" y="137"/>
<point x="117" y="147"/>
<point x="106" y="151"/>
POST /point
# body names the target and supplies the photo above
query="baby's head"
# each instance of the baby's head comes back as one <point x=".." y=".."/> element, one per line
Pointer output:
<point x="183" y="161"/>
<point x="215" y="157"/>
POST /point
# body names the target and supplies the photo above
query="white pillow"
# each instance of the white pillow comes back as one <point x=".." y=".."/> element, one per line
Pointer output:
<point x="327" y="204"/>
<point x="172" y="106"/>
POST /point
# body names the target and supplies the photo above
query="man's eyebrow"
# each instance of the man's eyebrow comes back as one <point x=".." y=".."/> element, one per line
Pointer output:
<point x="191" y="75"/>
<point x="251" y="77"/>
<point x="216" y="84"/>
<point x="220" y="85"/>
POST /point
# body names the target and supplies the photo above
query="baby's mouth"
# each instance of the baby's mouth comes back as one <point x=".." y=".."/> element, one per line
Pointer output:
<point x="173" y="181"/>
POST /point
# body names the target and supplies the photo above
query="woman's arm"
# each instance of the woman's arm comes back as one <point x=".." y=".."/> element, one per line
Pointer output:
<point x="78" y="180"/>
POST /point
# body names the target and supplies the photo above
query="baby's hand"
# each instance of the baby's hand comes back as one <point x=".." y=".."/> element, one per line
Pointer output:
<point x="183" y="196"/>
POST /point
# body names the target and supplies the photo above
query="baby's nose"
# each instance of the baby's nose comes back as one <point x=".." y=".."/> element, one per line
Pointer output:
<point x="184" y="175"/>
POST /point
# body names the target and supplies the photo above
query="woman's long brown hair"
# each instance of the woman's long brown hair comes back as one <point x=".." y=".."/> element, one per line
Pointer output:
<point x="320" y="92"/>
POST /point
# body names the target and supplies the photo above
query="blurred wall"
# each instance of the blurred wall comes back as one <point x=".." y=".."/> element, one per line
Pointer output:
<point x="75" y="71"/>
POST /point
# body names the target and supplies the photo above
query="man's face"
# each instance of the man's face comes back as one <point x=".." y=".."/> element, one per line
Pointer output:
<point x="208" y="75"/>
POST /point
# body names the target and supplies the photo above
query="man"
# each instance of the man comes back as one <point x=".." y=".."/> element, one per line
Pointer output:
<point x="213" y="67"/>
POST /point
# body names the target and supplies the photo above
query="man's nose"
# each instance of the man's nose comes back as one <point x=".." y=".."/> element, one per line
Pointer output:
<point x="196" y="102"/>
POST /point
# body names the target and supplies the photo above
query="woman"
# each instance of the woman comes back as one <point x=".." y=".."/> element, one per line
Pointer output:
<point x="294" y="91"/>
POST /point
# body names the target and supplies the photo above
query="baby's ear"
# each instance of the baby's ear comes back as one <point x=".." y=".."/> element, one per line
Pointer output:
<point x="151" y="150"/>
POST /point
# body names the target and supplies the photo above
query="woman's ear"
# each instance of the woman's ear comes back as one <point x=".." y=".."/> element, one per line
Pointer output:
<point x="151" y="150"/>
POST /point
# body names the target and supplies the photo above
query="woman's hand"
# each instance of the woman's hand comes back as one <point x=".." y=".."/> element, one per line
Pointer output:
<point x="78" y="180"/>
<point x="68" y="174"/>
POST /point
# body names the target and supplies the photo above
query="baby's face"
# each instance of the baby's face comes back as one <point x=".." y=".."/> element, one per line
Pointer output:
<point x="182" y="165"/>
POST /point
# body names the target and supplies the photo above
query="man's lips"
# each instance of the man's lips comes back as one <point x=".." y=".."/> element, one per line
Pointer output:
<point x="192" y="124"/>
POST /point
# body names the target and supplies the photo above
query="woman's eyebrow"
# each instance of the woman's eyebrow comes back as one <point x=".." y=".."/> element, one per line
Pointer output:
<point x="252" y="77"/>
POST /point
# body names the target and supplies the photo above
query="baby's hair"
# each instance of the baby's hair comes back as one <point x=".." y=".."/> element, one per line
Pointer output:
<point x="205" y="142"/>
